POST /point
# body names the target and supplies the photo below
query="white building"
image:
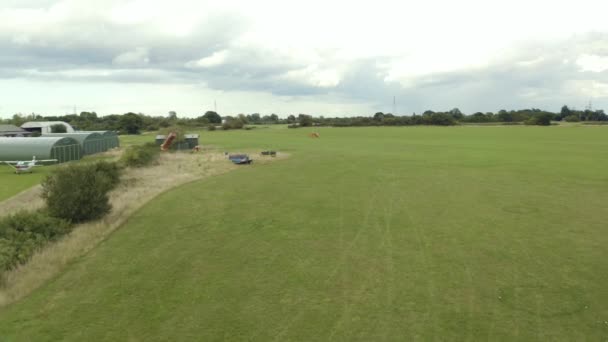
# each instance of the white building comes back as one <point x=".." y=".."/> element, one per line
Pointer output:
<point x="44" y="127"/>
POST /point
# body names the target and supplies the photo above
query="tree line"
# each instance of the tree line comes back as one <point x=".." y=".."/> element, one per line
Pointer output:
<point x="134" y="123"/>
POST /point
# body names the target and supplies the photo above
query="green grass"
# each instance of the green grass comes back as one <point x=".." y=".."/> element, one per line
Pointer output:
<point x="459" y="233"/>
<point x="12" y="184"/>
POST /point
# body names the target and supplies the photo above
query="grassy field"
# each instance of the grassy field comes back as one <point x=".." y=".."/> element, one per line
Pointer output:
<point x="420" y="233"/>
<point x="12" y="184"/>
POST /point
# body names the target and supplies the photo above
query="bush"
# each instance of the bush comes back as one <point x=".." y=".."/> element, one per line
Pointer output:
<point x="140" y="155"/>
<point x="25" y="232"/>
<point x="572" y="118"/>
<point x="440" y="119"/>
<point x="58" y="128"/>
<point x="233" y="124"/>
<point x="543" y="119"/>
<point x="211" y="127"/>
<point x="80" y="192"/>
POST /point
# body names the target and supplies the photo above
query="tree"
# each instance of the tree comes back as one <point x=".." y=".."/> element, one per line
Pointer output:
<point x="243" y="118"/>
<point x="233" y="123"/>
<point x="571" y="118"/>
<point x="379" y="116"/>
<point x="291" y="119"/>
<point x="80" y="192"/>
<point x="213" y="117"/>
<point x="440" y="119"/>
<point x="456" y="114"/>
<point x="505" y="116"/>
<point x="131" y="123"/>
<point x="172" y="116"/>
<point x="274" y="118"/>
<point x="542" y="119"/>
<point x="58" y="128"/>
<point x="565" y="112"/>
<point x="18" y="120"/>
<point x="254" y="118"/>
<point x="305" y="120"/>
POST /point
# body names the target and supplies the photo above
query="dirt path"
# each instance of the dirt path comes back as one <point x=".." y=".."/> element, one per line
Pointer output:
<point x="138" y="187"/>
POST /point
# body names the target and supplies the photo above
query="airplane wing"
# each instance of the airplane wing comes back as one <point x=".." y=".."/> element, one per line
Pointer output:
<point x="10" y="163"/>
<point x="46" y="160"/>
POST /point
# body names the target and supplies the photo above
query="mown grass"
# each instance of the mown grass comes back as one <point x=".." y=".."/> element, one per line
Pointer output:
<point x="479" y="233"/>
<point x="12" y="184"/>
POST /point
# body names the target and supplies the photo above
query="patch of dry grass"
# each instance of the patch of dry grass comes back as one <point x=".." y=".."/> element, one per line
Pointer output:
<point x="26" y="200"/>
<point x="137" y="188"/>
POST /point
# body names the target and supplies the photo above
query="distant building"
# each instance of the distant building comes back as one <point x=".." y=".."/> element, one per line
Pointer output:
<point x="13" y="131"/>
<point x="44" y="127"/>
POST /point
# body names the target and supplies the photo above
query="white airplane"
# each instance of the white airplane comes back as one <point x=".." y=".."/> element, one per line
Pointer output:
<point x="23" y="166"/>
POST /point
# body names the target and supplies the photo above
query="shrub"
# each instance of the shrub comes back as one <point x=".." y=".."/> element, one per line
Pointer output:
<point x="211" y="127"/>
<point x="140" y="155"/>
<point x="572" y="118"/>
<point x="543" y="119"/>
<point x="25" y="232"/>
<point x="440" y="119"/>
<point x="233" y="124"/>
<point x="80" y="192"/>
<point x="58" y="128"/>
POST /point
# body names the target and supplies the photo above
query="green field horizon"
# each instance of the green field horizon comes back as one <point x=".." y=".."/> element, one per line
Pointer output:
<point x="370" y="234"/>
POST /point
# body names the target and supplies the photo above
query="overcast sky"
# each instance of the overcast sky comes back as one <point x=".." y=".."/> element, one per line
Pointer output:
<point x="331" y="58"/>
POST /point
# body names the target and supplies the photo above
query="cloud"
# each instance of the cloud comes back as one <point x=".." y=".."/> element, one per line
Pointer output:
<point x="216" y="59"/>
<point x="592" y="63"/>
<point x="137" y="57"/>
<point x="443" y="55"/>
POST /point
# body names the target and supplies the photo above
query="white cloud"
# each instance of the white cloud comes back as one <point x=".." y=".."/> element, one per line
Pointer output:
<point x="216" y="59"/>
<point x="592" y="63"/>
<point x="137" y="57"/>
<point x="314" y="48"/>
<point x="314" y="76"/>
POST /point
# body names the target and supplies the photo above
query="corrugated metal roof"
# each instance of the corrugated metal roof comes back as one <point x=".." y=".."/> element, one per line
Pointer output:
<point x="33" y="141"/>
<point x="11" y="128"/>
<point x="42" y="148"/>
<point x="111" y="133"/>
<point x="81" y="137"/>
<point x="43" y="124"/>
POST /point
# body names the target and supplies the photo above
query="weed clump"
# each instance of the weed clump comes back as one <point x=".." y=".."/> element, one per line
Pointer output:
<point x="140" y="155"/>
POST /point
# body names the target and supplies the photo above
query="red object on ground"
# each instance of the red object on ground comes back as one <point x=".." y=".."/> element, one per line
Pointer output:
<point x="165" y="146"/>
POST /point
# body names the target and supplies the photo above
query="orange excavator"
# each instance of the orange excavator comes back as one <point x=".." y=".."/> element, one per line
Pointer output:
<point x="167" y="143"/>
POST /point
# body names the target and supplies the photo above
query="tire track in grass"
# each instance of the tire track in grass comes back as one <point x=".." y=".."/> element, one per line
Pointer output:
<point x="286" y="327"/>
<point x="346" y="252"/>
<point x="390" y="266"/>
<point x="471" y="301"/>
<point x="349" y="304"/>
<point x="431" y="287"/>
<point x="384" y="231"/>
